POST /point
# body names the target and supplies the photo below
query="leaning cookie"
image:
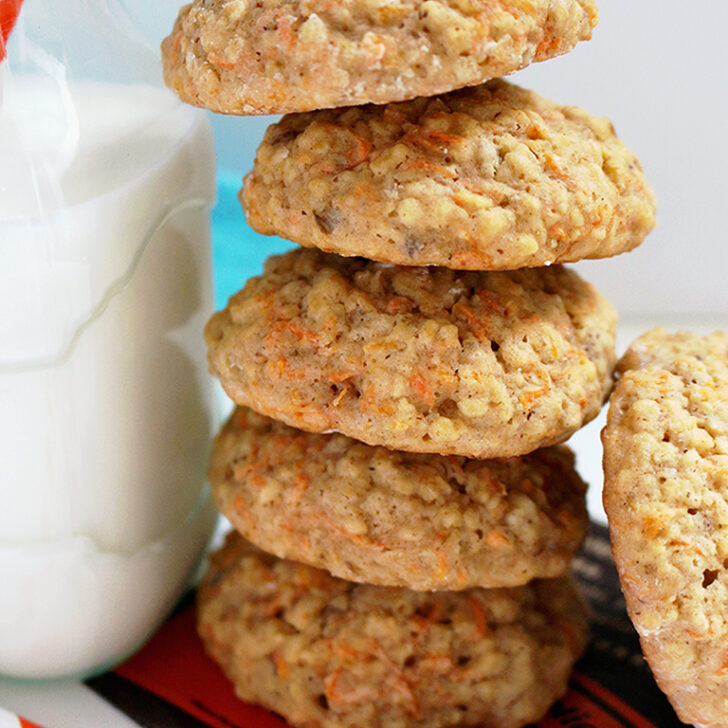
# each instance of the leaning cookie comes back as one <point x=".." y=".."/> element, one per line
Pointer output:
<point x="666" y="467"/>
<point x="489" y="178"/>
<point x="274" y="57"/>
<point x="327" y="653"/>
<point x="378" y="516"/>
<point x="431" y="360"/>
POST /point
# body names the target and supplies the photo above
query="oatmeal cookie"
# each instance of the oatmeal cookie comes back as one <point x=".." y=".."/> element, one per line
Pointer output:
<point x="378" y="516"/>
<point x="489" y="178"/>
<point x="666" y="496"/>
<point x="280" y="56"/>
<point x="432" y="360"/>
<point x="326" y="653"/>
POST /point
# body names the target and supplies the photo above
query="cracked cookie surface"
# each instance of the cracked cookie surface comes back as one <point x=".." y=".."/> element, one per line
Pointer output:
<point x="379" y="516"/>
<point x="666" y="497"/>
<point x="433" y="360"/>
<point x="280" y="56"/>
<point x="326" y="653"/>
<point x="488" y="178"/>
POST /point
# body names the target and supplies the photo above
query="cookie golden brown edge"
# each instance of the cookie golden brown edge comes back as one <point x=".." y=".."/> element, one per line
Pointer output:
<point x="380" y="516"/>
<point x="326" y="653"/>
<point x="492" y="177"/>
<point x="281" y="56"/>
<point x="482" y="365"/>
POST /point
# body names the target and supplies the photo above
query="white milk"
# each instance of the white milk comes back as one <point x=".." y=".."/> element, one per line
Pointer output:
<point x="69" y="609"/>
<point x="105" y="404"/>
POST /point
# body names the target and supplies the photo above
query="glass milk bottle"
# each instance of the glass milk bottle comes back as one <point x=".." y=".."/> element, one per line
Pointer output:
<point x="106" y="410"/>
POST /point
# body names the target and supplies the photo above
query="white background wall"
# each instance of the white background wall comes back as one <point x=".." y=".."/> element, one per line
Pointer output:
<point x="659" y="70"/>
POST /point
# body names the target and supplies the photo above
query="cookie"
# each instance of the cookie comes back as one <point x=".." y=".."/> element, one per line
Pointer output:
<point x="666" y="497"/>
<point x="433" y="360"/>
<point x="327" y="653"/>
<point x="489" y="178"/>
<point x="378" y="516"/>
<point x="280" y="56"/>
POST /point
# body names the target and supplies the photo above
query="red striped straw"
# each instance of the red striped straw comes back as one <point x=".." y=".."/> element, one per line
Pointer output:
<point x="9" y="10"/>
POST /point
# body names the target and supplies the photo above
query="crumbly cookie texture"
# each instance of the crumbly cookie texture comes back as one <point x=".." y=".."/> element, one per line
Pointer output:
<point x="377" y="516"/>
<point x="666" y="496"/>
<point x="482" y="365"/>
<point x="326" y="653"/>
<point x="280" y="56"/>
<point x="489" y="178"/>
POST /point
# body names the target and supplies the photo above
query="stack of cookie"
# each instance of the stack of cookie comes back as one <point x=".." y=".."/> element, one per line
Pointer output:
<point x="420" y="364"/>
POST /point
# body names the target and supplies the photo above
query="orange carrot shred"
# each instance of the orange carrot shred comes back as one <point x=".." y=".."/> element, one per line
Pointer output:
<point x="420" y="386"/>
<point x="481" y="619"/>
<point x="281" y="665"/>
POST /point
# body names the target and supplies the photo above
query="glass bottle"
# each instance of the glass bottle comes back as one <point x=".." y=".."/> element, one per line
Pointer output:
<point x="106" y="410"/>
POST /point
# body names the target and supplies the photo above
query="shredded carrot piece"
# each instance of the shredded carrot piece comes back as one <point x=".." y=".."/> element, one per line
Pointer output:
<point x="247" y="469"/>
<point x="467" y="259"/>
<point x="651" y="526"/>
<point x="366" y="193"/>
<point x="432" y="140"/>
<point x="241" y="508"/>
<point x="281" y="665"/>
<point x="359" y="151"/>
<point x="421" y="623"/>
<point x="479" y="615"/>
<point x="348" y="651"/>
<point x="687" y="546"/>
<point x="432" y="167"/>
<point x="549" y="45"/>
<point x="521" y="7"/>
<point x="302" y="482"/>
<point x="285" y="371"/>
<point x="338" y="377"/>
<point x="528" y="398"/>
<point x="557" y="232"/>
<point x="285" y="26"/>
<point x="337" y="399"/>
<point x="462" y="577"/>
<point x="560" y="175"/>
<point x="399" y="684"/>
<point x="491" y="302"/>
<point x="442" y="565"/>
<point x="398" y="304"/>
<point x="497" y="539"/>
<point x="475" y="324"/>
<point x="335" y="694"/>
<point x="219" y="60"/>
<point x="297" y="331"/>
<point x="420" y="386"/>
<point x="597" y="217"/>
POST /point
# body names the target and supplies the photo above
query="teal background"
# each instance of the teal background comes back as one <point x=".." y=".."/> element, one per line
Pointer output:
<point x="238" y="252"/>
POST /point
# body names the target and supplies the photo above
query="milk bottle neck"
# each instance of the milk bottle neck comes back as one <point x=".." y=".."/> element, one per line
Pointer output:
<point x="82" y="40"/>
